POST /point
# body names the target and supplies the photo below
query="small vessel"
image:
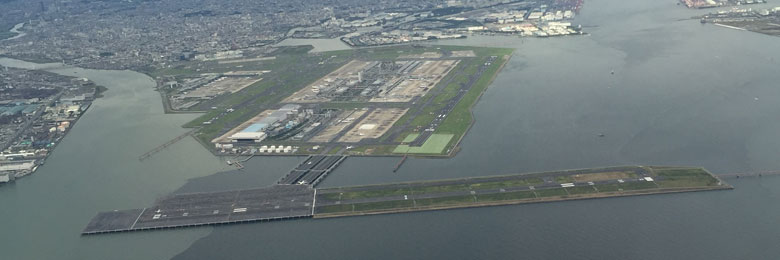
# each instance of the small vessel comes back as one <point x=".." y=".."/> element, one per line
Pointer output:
<point x="612" y="72"/>
<point x="601" y="135"/>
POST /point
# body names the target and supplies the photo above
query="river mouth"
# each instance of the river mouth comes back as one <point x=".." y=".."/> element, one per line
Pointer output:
<point x="95" y="167"/>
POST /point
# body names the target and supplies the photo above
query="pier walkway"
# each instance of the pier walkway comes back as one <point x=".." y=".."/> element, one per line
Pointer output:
<point x="748" y="174"/>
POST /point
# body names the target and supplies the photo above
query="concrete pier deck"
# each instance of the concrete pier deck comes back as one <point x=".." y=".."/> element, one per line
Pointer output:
<point x="312" y="170"/>
<point x="196" y="209"/>
<point x="293" y="200"/>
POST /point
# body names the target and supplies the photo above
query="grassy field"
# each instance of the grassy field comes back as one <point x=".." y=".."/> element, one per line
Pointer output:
<point x="671" y="179"/>
<point x="684" y="177"/>
<point x="424" y="189"/>
<point x="434" y="145"/>
<point x="564" y="179"/>
<point x="410" y="138"/>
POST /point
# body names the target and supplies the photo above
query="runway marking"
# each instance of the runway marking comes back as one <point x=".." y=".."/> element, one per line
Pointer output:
<point x="314" y="201"/>
<point x="136" y="219"/>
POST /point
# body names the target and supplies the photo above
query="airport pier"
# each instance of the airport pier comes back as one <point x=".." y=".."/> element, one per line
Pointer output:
<point x="312" y="170"/>
<point x="277" y="202"/>
<point x="292" y="200"/>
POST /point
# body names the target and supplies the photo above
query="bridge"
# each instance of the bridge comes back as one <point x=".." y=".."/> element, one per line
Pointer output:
<point x="749" y="174"/>
<point x="163" y="146"/>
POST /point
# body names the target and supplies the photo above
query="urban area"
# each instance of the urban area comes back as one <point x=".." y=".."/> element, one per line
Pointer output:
<point x="150" y="35"/>
<point x="37" y="109"/>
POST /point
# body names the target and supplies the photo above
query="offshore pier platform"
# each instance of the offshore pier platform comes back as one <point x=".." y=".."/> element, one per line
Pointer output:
<point x="293" y="197"/>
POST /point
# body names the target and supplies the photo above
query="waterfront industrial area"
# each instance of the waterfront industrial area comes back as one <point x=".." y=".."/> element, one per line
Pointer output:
<point x="293" y="197"/>
<point x="535" y="19"/>
<point x="718" y="3"/>
<point x="37" y="109"/>
<point x="765" y="21"/>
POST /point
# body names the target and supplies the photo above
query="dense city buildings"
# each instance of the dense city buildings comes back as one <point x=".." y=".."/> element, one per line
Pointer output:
<point x="149" y="35"/>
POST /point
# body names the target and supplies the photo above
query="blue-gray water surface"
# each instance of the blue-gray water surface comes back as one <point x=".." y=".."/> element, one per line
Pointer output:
<point x="683" y="93"/>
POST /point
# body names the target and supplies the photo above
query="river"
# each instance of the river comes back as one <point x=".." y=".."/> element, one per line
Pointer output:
<point x="96" y="168"/>
<point x="15" y="29"/>
<point x="683" y="93"/>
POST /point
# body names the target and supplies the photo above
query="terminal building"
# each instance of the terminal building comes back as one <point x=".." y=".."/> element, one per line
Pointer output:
<point x="256" y="132"/>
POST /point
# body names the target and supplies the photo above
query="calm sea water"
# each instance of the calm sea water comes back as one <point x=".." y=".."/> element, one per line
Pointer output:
<point x="96" y="168"/>
<point x="682" y="94"/>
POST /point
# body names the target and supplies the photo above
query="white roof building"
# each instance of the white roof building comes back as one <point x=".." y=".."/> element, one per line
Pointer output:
<point x="17" y="166"/>
<point x="256" y="136"/>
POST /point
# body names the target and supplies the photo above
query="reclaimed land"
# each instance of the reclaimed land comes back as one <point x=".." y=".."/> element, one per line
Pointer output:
<point x="280" y="202"/>
<point x="294" y="68"/>
<point x="512" y="189"/>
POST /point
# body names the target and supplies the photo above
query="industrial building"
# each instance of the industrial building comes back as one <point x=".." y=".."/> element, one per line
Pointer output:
<point x="9" y="170"/>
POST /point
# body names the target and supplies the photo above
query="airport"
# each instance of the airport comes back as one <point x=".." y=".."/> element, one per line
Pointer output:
<point x="295" y="195"/>
<point x="372" y="104"/>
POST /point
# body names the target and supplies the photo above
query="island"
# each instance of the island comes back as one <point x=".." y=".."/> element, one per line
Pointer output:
<point x="292" y="200"/>
<point x="384" y="101"/>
